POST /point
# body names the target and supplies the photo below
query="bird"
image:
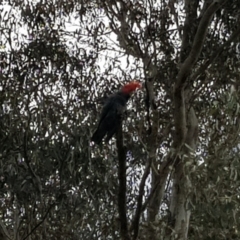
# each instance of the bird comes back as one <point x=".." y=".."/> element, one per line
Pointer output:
<point x="112" y="112"/>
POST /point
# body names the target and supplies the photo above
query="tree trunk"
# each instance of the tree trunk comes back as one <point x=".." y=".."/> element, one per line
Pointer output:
<point x="179" y="207"/>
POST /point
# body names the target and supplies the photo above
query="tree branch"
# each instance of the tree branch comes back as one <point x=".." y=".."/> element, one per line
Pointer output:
<point x="179" y="98"/>
<point x="216" y="54"/>
<point x="189" y="28"/>
<point x="163" y="173"/>
<point x="43" y="219"/>
<point x="122" y="186"/>
<point x="125" y="38"/>
<point x="197" y="45"/>
<point x="135" y="223"/>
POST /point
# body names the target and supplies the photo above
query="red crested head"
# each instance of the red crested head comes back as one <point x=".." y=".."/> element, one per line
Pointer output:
<point x="131" y="87"/>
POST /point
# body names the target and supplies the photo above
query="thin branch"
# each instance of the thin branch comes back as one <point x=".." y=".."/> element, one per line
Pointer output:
<point x="125" y="39"/>
<point x="135" y="223"/>
<point x="122" y="186"/>
<point x="43" y="219"/>
<point x="175" y="15"/>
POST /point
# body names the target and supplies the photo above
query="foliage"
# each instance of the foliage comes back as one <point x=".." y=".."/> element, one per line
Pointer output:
<point x="59" y="60"/>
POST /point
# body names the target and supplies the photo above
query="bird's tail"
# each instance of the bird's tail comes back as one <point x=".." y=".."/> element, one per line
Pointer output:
<point x="98" y="136"/>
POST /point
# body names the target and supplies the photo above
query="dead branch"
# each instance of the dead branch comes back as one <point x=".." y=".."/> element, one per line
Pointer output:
<point x="122" y="186"/>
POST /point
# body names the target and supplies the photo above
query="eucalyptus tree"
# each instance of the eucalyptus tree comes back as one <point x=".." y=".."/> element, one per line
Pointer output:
<point x="172" y="172"/>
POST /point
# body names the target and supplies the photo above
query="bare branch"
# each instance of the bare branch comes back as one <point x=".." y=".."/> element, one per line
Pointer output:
<point x="135" y="223"/>
<point x="122" y="186"/>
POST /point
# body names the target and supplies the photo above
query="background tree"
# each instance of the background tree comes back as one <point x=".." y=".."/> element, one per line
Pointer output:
<point x="173" y="172"/>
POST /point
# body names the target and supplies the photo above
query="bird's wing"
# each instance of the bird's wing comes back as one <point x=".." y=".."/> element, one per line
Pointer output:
<point x="114" y="102"/>
<point x="105" y="111"/>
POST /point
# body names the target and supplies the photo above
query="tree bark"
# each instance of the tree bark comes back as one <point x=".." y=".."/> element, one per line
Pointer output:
<point x="180" y="211"/>
<point x="186" y="130"/>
